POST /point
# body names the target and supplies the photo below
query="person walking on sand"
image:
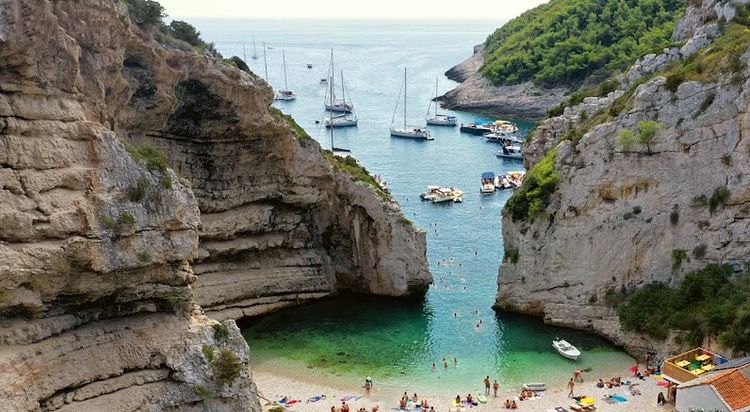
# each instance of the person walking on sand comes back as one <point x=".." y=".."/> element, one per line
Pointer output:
<point x="487" y="385"/>
<point x="495" y="387"/>
<point x="571" y="385"/>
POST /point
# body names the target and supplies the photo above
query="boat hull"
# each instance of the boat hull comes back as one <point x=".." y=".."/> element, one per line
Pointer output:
<point x="336" y="125"/>
<point x="410" y="134"/>
<point x="340" y="108"/>
<point x="509" y="156"/>
<point x="442" y="121"/>
<point x="477" y="131"/>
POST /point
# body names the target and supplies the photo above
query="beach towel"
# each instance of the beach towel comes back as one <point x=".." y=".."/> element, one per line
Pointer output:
<point x="560" y="409"/>
<point x="346" y="398"/>
<point x="662" y="383"/>
<point x="619" y="398"/>
<point x="316" y="398"/>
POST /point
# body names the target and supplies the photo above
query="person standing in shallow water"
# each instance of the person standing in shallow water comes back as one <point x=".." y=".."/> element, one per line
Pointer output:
<point x="487" y="385"/>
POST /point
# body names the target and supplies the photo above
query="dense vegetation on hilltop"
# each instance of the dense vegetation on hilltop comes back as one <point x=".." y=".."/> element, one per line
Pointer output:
<point x="565" y="41"/>
<point x="708" y="303"/>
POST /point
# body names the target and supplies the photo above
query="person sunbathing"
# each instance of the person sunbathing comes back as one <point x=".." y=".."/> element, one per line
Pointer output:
<point x="634" y="389"/>
<point x="507" y="404"/>
<point x="344" y="407"/>
<point x="522" y="395"/>
<point x="458" y="399"/>
<point x="513" y="405"/>
<point x="469" y="399"/>
<point x="600" y="384"/>
<point x="401" y="404"/>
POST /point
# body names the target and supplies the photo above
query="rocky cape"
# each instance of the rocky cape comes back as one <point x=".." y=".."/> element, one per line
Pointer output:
<point x="477" y="93"/>
<point x="617" y="215"/>
<point x="107" y="255"/>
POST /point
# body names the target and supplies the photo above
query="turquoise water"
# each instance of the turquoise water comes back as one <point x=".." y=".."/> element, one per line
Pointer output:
<point x="395" y="341"/>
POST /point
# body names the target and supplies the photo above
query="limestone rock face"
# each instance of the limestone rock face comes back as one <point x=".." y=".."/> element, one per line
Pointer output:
<point x="619" y="214"/>
<point x="475" y="92"/>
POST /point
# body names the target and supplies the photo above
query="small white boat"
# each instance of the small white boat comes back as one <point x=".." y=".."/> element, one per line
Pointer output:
<point x="437" y="194"/>
<point x="439" y="119"/>
<point x="411" y="132"/>
<point x="511" y="152"/>
<point x="342" y="120"/>
<point x="488" y="183"/>
<point x="309" y="65"/>
<point x="323" y="81"/>
<point x="566" y="349"/>
<point x="536" y="386"/>
<point x="504" y="126"/>
<point x="512" y="180"/>
<point x="430" y="193"/>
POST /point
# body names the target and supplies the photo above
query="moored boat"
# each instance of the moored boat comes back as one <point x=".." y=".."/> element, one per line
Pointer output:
<point x="566" y="349"/>
<point x="475" y="129"/>
<point x="488" y="183"/>
<point x="510" y="152"/>
<point x="342" y="120"/>
<point x="285" y="94"/>
<point x="503" y="138"/>
<point x="437" y="194"/>
<point x="438" y="119"/>
<point x="511" y="180"/>
<point x="411" y="132"/>
<point x="535" y="386"/>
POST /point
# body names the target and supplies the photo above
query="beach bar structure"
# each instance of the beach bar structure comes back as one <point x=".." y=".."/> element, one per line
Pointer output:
<point x="722" y="389"/>
<point x="690" y="365"/>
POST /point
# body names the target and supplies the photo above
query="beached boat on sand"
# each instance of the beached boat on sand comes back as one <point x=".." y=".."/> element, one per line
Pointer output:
<point x="536" y="386"/>
<point x="566" y="349"/>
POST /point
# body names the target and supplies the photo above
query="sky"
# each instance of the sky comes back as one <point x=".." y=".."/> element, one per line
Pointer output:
<point x="353" y="9"/>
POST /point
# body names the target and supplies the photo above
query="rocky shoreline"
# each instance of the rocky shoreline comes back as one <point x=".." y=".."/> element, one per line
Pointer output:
<point x="476" y="93"/>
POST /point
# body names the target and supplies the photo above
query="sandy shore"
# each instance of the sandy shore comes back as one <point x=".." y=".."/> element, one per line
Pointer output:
<point x="274" y="387"/>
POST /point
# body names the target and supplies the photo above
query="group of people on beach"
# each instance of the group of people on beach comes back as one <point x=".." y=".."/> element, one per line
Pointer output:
<point x="403" y="403"/>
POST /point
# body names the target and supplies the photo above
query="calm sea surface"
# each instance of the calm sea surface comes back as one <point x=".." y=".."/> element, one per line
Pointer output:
<point x="396" y="342"/>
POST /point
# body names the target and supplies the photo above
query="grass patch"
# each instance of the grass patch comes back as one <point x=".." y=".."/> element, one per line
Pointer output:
<point x="289" y="120"/>
<point x="208" y="352"/>
<point x="221" y="332"/>
<point x="125" y="221"/>
<point x="718" y="198"/>
<point x="202" y="391"/>
<point x="708" y="302"/>
<point x="137" y="192"/>
<point x="700" y="251"/>
<point x="533" y="196"/>
<point x="226" y="366"/>
<point x="356" y="172"/>
<point x="151" y="157"/>
<point x="144" y="256"/>
<point x="674" y="216"/>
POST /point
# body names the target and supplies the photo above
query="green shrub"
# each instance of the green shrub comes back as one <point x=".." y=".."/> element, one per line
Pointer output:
<point x="674" y="216"/>
<point x="240" y="64"/>
<point x="637" y="210"/>
<point x="186" y="32"/>
<point x="166" y="181"/>
<point x="700" y="201"/>
<point x="638" y="314"/>
<point x="699" y="251"/>
<point x="647" y="129"/>
<point x="124" y="222"/>
<point x="145" y="12"/>
<point x="289" y="120"/>
<point x="625" y="138"/>
<point x="726" y="159"/>
<point x="678" y="256"/>
<point x="533" y="196"/>
<point x="356" y="172"/>
<point x="227" y="367"/>
<point x="153" y="158"/>
<point x="406" y="222"/>
<point x="221" y="332"/>
<point x="137" y="192"/>
<point x="512" y="255"/>
<point x="718" y="198"/>
<point x="627" y="216"/>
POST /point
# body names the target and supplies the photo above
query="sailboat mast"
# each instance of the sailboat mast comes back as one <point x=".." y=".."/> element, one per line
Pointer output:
<point x="283" y="59"/>
<point x="244" y="55"/>
<point x="343" y="92"/>
<point x="265" y="60"/>
<point x="404" y="97"/>
<point x="436" y="94"/>
<point x="255" y="49"/>
<point x="330" y="112"/>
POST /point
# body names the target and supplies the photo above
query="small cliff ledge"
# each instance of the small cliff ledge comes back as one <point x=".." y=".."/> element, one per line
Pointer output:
<point x="623" y="215"/>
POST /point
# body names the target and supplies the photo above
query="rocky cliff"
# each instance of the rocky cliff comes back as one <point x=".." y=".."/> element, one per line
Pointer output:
<point x="625" y="214"/>
<point x="477" y="93"/>
<point x="101" y="242"/>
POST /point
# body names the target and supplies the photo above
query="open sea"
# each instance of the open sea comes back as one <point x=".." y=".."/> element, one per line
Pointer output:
<point x="341" y="340"/>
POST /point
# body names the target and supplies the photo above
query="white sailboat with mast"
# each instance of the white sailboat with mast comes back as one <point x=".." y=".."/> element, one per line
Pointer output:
<point x="438" y="119"/>
<point x="335" y="150"/>
<point x="255" y="50"/>
<point x="411" y="132"/>
<point x="345" y="119"/>
<point x="333" y="104"/>
<point x="265" y="62"/>
<point x="285" y="93"/>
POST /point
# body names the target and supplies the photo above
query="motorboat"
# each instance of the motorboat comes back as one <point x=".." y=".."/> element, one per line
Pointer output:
<point x="437" y="194"/>
<point x="475" y="129"/>
<point x="411" y="132"/>
<point x="324" y="81"/>
<point x="309" y="65"/>
<point x="488" y="183"/>
<point x="439" y="119"/>
<point x="510" y="152"/>
<point x="342" y="120"/>
<point x="504" y="126"/>
<point x="566" y="349"/>
<point x="503" y="138"/>
<point x="511" y="180"/>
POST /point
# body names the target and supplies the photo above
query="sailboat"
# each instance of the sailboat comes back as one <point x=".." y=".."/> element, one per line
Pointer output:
<point x="285" y="93"/>
<point x="333" y="104"/>
<point x="439" y="119"/>
<point x="344" y="119"/>
<point x="412" y="132"/>
<point x="255" y="50"/>
<point x="265" y="61"/>
<point x="335" y="150"/>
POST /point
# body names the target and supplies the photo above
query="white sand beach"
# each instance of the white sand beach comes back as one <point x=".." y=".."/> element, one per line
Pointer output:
<point x="274" y="387"/>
